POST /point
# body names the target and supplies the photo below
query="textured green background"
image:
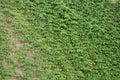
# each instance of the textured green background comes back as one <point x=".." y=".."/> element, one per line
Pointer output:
<point x="70" y="39"/>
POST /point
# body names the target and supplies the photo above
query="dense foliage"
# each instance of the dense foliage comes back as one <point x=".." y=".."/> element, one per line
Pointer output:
<point x="70" y="39"/>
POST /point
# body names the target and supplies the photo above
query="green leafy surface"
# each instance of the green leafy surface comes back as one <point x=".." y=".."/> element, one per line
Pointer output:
<point x="63" y="39"/>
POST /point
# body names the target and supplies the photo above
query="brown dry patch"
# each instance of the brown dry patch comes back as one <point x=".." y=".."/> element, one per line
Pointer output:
<point x="13" y="78"/>
<point x="19" y="70"/>
<point x="30" y="54"/>
<point x="1" y="20"/>
<point x="14" y="44"/>
<point x="18" y="43"/>
<point x="8" y="21"/>
<point x="34" y="76"/>
<point x="0" y="8"/>
<point x="15" y="47"/>
<point x="9" y="27"/>
<point x="7" y="63"/>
